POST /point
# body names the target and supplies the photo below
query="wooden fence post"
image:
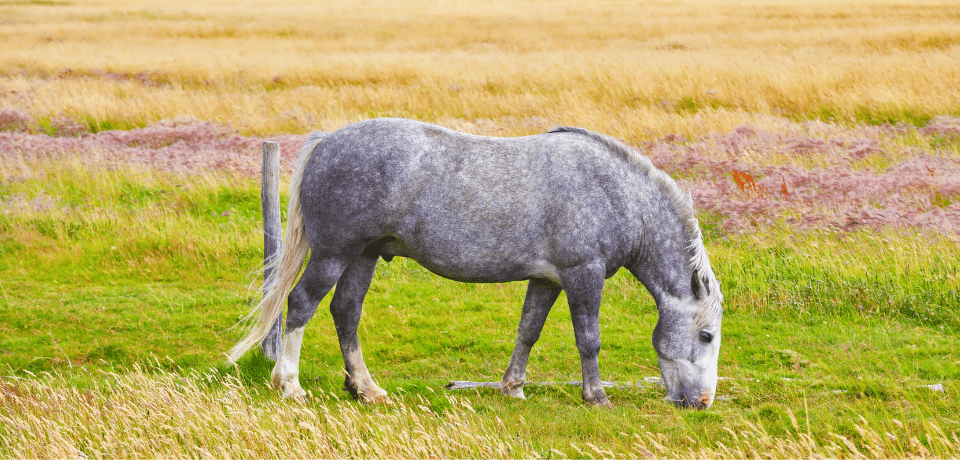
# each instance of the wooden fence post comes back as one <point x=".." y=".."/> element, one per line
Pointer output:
<point x="272" y="242"/>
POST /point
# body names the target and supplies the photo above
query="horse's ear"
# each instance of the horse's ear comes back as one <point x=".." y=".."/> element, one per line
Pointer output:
<point x="699" y="286"/>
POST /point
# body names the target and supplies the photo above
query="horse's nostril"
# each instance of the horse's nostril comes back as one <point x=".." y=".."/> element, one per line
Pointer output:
<point x="704" y="401"/>
<point x="691" y="400"/>
<point x="694" y="400"/>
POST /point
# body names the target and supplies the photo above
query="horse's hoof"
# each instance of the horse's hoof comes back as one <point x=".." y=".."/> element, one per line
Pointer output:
<point x="513" y="389"/>
<point x="606" y="404"/>
<point x="296" y="394"/>
<point x="599" y="400"/>
<point x="375" y="397"/>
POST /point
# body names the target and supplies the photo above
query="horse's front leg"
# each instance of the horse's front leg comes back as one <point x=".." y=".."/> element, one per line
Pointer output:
<point x="584" y="288"/>
<point x="346" y="308"/>
<point x="541" y="296"/>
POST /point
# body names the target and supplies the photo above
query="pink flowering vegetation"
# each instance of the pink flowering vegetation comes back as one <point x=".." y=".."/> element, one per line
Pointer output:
<point x="182" y="146"/>
<point x="819" y="176"/>
<point x="802" y="176"/>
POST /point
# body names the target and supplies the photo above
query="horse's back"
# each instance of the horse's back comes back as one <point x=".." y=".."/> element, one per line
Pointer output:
<point x="465" y="206"/>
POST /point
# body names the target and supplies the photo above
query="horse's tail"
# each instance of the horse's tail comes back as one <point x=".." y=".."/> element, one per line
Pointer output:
<point x="286" y="267"/>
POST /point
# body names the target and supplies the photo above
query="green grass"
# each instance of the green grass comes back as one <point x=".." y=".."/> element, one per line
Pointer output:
<point x="824" y="334"/>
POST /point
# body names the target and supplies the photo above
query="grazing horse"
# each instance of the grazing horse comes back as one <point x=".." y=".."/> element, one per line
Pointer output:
<point x="563" y="210"/>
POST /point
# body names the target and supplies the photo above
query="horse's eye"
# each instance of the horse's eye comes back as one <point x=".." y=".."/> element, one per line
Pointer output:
<point x="706" y="337"/>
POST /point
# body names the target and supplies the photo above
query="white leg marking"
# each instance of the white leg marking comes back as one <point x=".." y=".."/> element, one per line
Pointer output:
<point x="368" y="390"/>
<point x="286" y="373"/>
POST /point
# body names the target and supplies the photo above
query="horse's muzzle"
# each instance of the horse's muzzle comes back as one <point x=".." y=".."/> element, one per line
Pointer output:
<point x="691" y="399"/>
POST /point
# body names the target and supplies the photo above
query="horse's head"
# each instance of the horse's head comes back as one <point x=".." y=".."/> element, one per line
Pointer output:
<point x="687" y="340"/>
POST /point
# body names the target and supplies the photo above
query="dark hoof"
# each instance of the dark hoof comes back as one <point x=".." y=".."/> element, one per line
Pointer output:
<point x="605" y="403"/>
<point x="599" y="400"/>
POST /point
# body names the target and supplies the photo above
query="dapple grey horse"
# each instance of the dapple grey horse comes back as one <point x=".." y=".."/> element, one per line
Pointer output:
<point x="563" y="210"/>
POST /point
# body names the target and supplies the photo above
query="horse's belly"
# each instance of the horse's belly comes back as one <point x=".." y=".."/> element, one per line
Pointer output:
<point x="461" y="264"/>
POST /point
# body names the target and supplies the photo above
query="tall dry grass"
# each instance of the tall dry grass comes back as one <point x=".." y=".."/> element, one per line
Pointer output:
<point x="148" y="414"/>
<point x="634" y="69"/>
<point x="167" y="415"/>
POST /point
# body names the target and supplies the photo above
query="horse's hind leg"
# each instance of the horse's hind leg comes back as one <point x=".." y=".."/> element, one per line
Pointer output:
<point x="541" y="295"/>
<point x="346" y="308"/>
<point x="317" y="280"/>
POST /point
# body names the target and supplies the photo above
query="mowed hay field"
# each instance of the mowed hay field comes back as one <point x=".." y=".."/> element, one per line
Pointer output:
<point x="820" y="141"/>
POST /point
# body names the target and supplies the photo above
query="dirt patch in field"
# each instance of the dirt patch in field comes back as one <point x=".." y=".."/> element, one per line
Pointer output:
<point x="806" y="176"/>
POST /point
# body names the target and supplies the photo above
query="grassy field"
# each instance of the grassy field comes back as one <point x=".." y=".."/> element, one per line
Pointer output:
<point x="127" y="279"/>
<point x="126" y="257"/>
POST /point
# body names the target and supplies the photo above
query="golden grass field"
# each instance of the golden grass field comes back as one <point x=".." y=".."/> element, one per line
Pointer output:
<point x="637" y="70"/>
<point x="213" y="416"/>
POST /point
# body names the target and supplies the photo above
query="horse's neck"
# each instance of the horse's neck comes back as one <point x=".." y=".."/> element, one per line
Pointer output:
<point x="664" y="265"/>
